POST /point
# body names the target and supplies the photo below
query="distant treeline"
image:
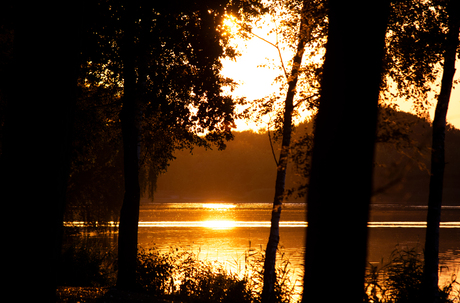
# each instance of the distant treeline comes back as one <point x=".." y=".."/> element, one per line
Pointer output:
<point x="245" y="170"/>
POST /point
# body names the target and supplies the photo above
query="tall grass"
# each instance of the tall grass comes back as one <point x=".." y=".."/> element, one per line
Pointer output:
<point x="400" y="280"/>
<point x="180" y="275"/>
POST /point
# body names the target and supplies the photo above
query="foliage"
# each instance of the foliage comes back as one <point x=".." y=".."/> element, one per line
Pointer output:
<point x="175" y="72"/>
<point x="400" y="281"/>
<point x="414" y="49"/>
<point x="178" y="90"/>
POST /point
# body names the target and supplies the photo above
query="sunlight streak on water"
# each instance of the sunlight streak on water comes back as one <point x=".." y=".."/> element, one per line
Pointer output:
<point x="417" y="224"/>
<point x="219" y="206"/>
<point x="226" y="224"/>
<point x="231" y="224"/>
<point x="219" y="224"/>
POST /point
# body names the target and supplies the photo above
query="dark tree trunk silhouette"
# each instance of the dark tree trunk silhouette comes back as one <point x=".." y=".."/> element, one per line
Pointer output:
<point x="438" y="157"/>
<point x="129" y="214"/>
<point x="35" y="159"/>
<point x="342" y="162"/>
<point x="268" y="294"/>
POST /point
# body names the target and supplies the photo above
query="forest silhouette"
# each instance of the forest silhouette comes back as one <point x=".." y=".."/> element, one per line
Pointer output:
<point x="245" y="170"/>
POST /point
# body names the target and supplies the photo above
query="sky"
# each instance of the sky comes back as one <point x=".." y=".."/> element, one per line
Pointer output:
<point x="256" y="82"/>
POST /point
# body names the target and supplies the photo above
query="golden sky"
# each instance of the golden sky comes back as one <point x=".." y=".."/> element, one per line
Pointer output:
<point x="256" y="82"/>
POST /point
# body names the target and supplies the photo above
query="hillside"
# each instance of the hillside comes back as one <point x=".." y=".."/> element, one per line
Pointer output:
<point x="245" y="171"/>
<point x="410" y="167"/>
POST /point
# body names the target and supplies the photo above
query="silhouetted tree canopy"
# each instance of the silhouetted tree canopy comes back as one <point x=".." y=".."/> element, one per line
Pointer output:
<point x="177" y="69"/>
<point x="414" y="50"/>
<point x="178" y="86"/>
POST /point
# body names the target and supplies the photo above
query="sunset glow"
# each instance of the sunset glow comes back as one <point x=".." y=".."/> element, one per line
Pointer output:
<point x="258" y="66"/>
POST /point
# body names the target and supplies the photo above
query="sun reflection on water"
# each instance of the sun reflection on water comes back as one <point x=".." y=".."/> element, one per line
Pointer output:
<point x="218" y="206"/>
<point x="218" y="224"/>
<point x="226" y="224"/>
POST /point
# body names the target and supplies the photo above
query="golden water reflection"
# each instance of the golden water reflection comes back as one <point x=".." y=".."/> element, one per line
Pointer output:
<point x="219" y="224"/>
<point x="218" y="206"/>
<point x="227" y="232"/>
<point x="226" y="224"/>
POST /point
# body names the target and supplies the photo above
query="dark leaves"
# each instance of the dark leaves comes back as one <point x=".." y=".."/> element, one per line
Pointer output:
<point x="414" y="47"/>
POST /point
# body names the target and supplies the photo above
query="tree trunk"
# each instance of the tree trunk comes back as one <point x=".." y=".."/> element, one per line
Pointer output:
<point x="35" y="159"/>
<point x="129" y="215"/>
<point x="342" y="162"/>
<point x="430" y="273"/>
<point x="268" y="292"/>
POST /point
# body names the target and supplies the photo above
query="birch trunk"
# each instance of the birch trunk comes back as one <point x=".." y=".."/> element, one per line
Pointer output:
<point x="438" y="158"/>
<point x="268" y="292"/>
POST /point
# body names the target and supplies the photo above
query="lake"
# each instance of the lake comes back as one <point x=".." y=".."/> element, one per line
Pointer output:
<point x="224" y="232"/>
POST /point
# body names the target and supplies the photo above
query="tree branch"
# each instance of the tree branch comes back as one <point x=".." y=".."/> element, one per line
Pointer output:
<point x="275" y="45"/>
<point x="271" y="146"/>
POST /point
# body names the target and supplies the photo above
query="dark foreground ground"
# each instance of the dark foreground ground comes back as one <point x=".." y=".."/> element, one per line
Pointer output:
<point x="101" y="295"/>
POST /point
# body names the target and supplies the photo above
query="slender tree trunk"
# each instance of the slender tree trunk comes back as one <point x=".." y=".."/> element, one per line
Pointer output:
<point x="342" y="162"/>
<point x="129" y="215"/>
<point x="268" y="293"/>
<point x="438" y="158"/>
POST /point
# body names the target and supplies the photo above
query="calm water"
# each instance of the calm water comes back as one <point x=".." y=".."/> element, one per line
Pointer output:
<point x="225" y="231"/>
